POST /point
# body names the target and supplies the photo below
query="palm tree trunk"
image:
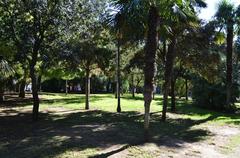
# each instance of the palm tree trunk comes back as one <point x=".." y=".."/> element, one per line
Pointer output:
<point x="87" y="88"/>
<point x="229" y="62"/>
<point x="173" y="97"/>
<point x="167" y="75"/>
<point x="186" y="90"/>
<point x="150" y="65"/>
<point x="118" y="78"/>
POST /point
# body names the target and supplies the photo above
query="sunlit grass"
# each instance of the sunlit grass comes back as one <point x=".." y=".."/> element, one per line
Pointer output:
<point x="105" y="102"/>
<point x="108" y="102"/>
<point x="82" y="133"/>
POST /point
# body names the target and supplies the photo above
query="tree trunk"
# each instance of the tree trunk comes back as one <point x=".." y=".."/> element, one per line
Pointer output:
<point x="22" y="89"/>
<point x="34" y="89"/>
<point x="170" y="56"/>
<point x="87" y="88"/>
<point x="1" y="97"/>
<point x="66" y="87"/>
<point x="39" y="82"/>
<point x="186" y="90"/>
<point x="150" y="65"/>
<point x="133" y="86"/>
<point x="1" y="92"/>
<point x="22" y="85"/>
<point x="173" y="97"/>
<point x="118" y="78"/>
<point x="115" y="93"/>
<point x="114" y="86"/>
<point x="153" y="97"/>
<point x="229" y="62"/>
<point x="108" y="85"/>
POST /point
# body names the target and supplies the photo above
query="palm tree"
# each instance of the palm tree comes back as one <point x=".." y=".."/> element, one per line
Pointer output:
<point x="118" y="24"/>
<point x="5" y="72"/>
<point x="227" y="17"/>
<point x="144" y="18"/>
<point x="186" y="21"/>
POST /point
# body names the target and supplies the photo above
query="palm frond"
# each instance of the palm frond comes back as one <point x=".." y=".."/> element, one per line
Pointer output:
<point x="5" y="69"/>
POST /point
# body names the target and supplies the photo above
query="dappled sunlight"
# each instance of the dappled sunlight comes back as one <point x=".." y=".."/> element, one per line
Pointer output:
<point x="91" y="129"/>
<point x="65" y="129"/>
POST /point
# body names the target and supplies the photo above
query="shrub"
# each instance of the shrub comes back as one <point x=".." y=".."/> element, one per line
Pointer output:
<point x="212" y="95"/>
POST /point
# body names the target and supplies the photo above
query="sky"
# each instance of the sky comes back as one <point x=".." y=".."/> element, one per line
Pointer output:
<point x="209" y="12"/>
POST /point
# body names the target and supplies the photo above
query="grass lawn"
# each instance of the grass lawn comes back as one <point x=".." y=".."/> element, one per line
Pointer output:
<point x="65" y="129"/>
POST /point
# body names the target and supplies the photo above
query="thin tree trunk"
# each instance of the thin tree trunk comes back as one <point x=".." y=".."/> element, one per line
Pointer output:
<point x="133" y="86"/>
<point x="23" y="84"/>
<point x="173" y="97"/>
<point x="118" y="78"/>
<point x="115" y="93"/>
<point x="150" y="66"/>
<point x="167" y="75"/>
<point x="87" y="88"/>
<point x="1" y="97"/>
<point x="39" y="81"/>
<point x="66" y="87"/>
<point x="114" y="86"/>
<point x="229" y="62"/>
<point x="34" y="89"/>
<point x="153" y="97"/>
<point x="154" y="91"/>
<point x="22" y="89"/>
<point x="1" y="92"/>
<point x="108" y="85"/>
<point x="186" y="90"/>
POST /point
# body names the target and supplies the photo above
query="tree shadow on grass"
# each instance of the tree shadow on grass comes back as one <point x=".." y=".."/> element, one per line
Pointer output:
<point x="140" y="97"/>
<point x="54" y="135"/>
<point x="73" y="100"/>
<point x="13" y="101"/>
<point x="184" y="107"/>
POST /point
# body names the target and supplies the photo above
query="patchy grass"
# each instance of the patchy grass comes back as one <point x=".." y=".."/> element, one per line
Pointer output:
<point x="231" y="145"/>
<point x="65" y="129"/>
<point x="107" y="102"/>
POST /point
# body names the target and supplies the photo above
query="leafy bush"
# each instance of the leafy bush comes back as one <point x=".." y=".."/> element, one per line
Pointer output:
<point x="212" y="95"/>
<point x="53" y="85"/>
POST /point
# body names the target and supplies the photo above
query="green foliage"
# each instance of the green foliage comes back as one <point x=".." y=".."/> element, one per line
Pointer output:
<point x="132" y="16"/>
<point x="212" y="95"/>
<point x="53" y="85"/>
<point x="5" y="69"/>
<point x="180" y="87"/>
<point x="225" y="11"/>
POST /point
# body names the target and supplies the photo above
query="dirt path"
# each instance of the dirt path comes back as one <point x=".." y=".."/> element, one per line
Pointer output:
<point x="209" y="148"/>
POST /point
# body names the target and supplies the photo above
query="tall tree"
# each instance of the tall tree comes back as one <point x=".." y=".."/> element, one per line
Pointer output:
<point x="5" y="72"/>
<point x="31" y="25"/>
<point x="227" y="16"/>
<point x="147" y="23"/>
<point x="90" y="58"/>
<point x="118" y="73"/>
